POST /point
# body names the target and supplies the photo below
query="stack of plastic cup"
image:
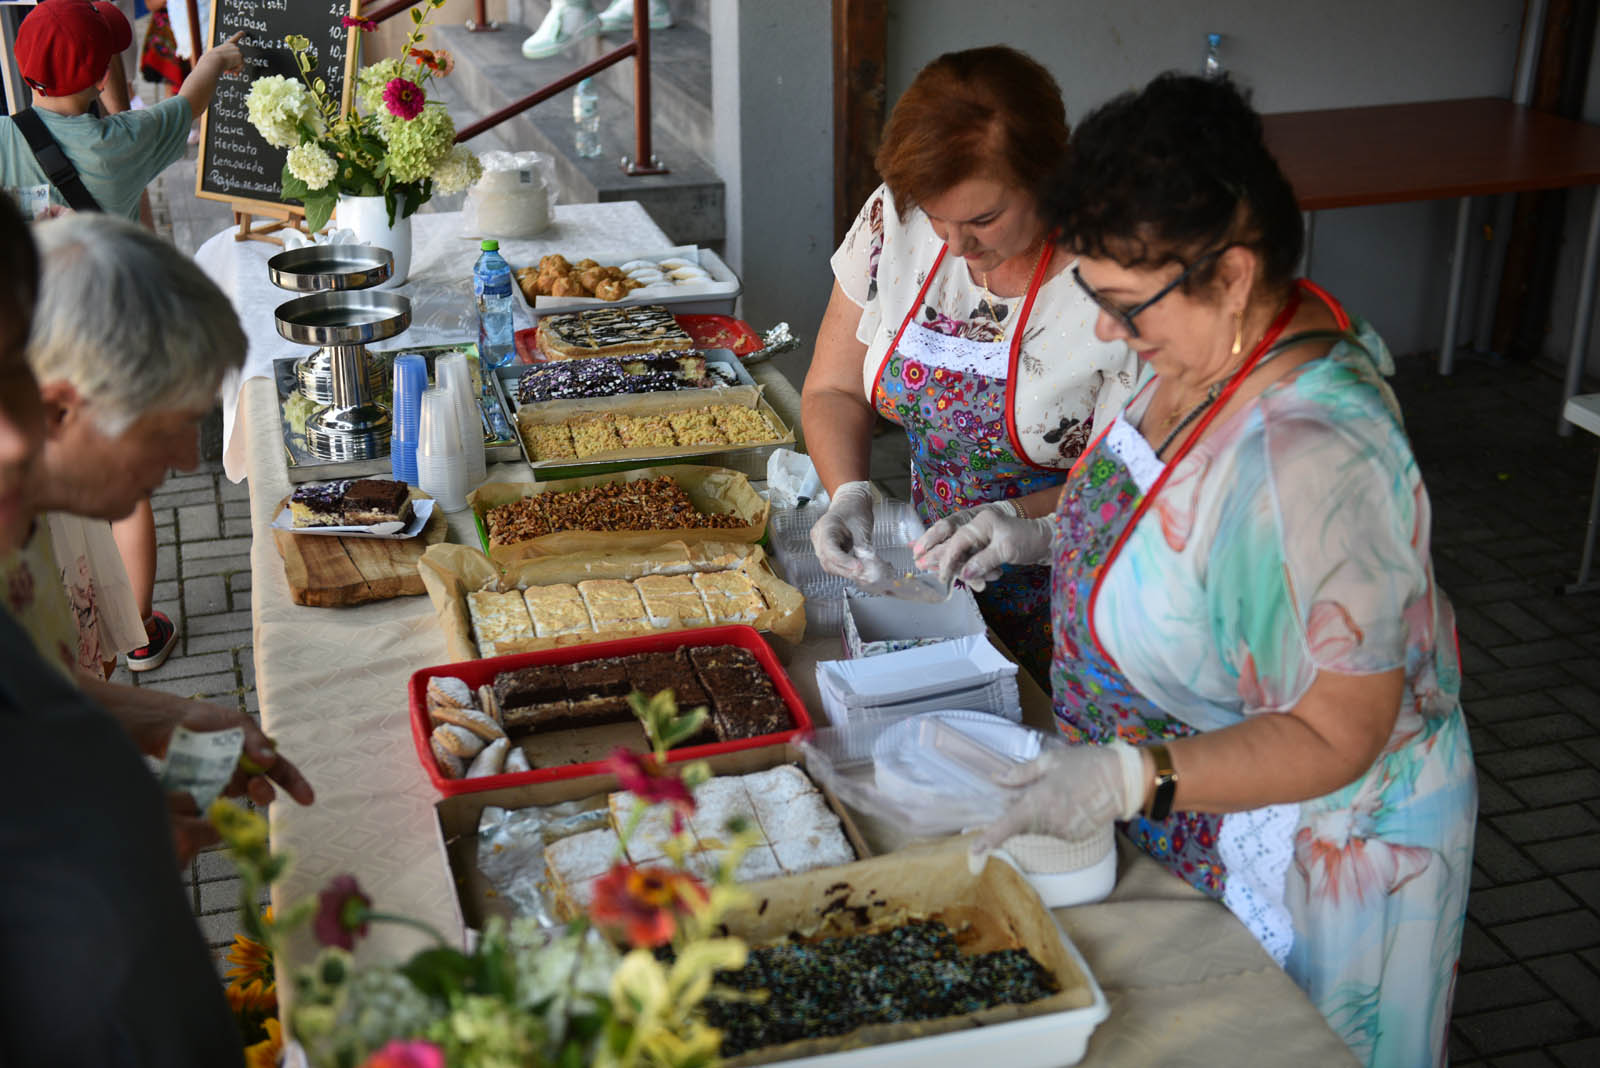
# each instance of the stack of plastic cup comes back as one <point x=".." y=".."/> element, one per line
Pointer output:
<point x="450" y="372"/>
<point x="410" y="379"/>
<point x="441" y="468"/>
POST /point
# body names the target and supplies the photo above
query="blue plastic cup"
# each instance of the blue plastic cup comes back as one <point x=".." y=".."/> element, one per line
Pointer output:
<point x="410" y="379"/>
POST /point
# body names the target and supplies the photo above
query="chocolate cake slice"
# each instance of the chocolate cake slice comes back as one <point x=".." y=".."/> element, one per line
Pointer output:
<point x="723" y="682"/>
<point x="376" y="500"/>
<point x="736" y="718"/>
<point x="722" y="656"/>
<point x="528" y="686"/>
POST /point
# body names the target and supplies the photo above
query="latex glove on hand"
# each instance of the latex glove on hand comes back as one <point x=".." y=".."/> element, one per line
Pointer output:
<point x="1071" y="793"/>
<point x="843" y="536"/>
<point x="974" y="544"/>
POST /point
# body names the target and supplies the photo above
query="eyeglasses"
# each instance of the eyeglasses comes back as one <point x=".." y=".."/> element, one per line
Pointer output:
<point x="1124" y="315"/>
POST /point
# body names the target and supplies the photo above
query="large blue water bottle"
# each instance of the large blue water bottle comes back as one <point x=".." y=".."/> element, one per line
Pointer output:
<point x="491" y="283"/>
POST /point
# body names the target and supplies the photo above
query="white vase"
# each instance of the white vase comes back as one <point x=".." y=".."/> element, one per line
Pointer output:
<point x="368" y="218"/>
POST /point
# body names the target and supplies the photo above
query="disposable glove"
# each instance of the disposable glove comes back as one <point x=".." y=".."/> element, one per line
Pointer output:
<point x="974" y="544"/>
<point x="843" y="536"/>
<point x="1075" y="791"/>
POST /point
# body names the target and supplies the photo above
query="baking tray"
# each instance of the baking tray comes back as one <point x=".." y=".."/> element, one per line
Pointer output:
<point x="294" y="406"/>
<point x="718" y="297"/>
<point x="749" y="460"/>
<point x="512" y="373"/>
<point x="590" y="745"/>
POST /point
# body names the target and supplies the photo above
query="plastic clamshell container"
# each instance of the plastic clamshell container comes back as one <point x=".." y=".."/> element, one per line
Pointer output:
<point x="477" y="673"/>
<point x="877" y="625"/>
<point x="716" y="295"/>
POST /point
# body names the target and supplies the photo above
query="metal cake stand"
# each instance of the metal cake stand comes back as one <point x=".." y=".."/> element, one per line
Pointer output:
<point x="320" y="268"/>
<point x="351" y="425"/>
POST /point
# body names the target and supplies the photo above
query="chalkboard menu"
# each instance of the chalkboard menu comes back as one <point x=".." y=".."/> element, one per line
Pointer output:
<point x="235" y="164"/>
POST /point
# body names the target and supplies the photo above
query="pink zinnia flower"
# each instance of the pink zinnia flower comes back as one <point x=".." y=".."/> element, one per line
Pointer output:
<point x="349" y="23"/>
<point x="404" y="98"/>
<point x="645" y="779"/>
<point x="342" y="910"/>
<point x="413" y="1054"/>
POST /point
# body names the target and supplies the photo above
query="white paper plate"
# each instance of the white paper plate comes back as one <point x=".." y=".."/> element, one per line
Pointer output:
<point x="421" y="509"/>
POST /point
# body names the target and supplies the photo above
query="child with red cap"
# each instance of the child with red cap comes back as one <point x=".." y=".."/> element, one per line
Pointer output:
<point x="64" y="49"/>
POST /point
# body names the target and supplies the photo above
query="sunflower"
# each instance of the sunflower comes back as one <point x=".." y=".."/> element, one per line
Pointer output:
<point x="250" y="960"/>
<point x="265" y="1054"/>
<point x="254" y="998"/>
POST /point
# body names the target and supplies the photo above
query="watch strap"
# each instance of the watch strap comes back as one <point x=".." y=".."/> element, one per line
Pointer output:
<point x="1166" y="779"/>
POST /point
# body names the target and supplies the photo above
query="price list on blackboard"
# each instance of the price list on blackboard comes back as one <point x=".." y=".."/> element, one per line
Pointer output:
<point x="236" y="164"/>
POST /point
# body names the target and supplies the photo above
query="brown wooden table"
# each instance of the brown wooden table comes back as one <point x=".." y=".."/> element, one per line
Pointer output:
<point x="1353" y="157"/>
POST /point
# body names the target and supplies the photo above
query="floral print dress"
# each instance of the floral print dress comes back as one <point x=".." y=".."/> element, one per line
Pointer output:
<point x="997" y="395"/>
<point x="1191" y="595"/>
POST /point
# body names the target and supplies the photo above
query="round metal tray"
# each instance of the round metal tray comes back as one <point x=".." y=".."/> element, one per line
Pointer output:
<point x="315" y="268"/>
<point x="337" y="318"/>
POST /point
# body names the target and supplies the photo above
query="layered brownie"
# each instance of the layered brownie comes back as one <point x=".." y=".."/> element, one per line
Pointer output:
<point x="376" y="500"/>
<point x="749" y="716"/>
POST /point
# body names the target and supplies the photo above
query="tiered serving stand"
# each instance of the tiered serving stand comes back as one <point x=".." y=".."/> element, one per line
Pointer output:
<point x="340" y="316"/>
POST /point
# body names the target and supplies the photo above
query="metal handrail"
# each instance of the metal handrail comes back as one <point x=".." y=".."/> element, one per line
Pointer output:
<point x="643" y="161"/>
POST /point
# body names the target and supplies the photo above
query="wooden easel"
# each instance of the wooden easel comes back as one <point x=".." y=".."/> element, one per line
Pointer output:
<point x="291" y="219"/>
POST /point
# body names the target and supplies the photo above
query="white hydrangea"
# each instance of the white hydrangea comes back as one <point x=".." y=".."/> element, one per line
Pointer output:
<point x="313" y="166"/>
<point x="456" y="170"/>
<point x="416" y="146"/>
<point x="276" y="106"/>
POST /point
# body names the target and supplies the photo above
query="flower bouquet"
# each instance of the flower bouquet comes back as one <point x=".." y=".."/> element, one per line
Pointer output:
<point x="391" y="142"/>
<point x="525" y="995"/>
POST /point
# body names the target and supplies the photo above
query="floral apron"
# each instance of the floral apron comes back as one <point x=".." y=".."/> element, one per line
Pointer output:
<point x="1377" y="951"/>
<point x="951" y="396"/>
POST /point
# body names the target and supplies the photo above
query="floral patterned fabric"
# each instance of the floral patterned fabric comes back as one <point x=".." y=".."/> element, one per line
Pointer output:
<point x="36" y="598"/>
<point x="946" y="383"/>
<point x="1067" y="379"/>
<point x="1292" y="539"/>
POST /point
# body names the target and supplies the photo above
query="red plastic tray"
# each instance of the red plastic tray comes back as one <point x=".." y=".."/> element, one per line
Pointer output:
<point x="477" y="673"/>
<point x="707" y="332"/>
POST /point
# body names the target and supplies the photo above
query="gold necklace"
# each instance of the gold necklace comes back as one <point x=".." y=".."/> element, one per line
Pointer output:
<point x="983" y="276"/>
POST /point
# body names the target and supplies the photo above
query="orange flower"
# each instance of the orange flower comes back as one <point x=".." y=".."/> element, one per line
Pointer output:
<point x="265" y="1054"/>
<point x="254" y="998"/>
<point x="644" y="904"/>
<point x="248" y="959"/>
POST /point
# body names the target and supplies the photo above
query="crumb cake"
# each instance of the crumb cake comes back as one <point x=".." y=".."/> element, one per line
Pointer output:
<point x="551" y="441"/>
<point x="557" y="610"/>
<point x="696" y="426"/>
<point x="595" y="435"/>
<point x="498" y="620"/>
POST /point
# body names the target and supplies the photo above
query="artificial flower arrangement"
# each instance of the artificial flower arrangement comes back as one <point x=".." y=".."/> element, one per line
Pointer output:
<point x="525" y="995"/>
<point x="391" y="142"/>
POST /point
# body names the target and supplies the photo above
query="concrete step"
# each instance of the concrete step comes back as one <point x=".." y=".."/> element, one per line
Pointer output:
<point x="680" y="72"/>
<point x="490" y="73"/>
<point x="684" y="12"/>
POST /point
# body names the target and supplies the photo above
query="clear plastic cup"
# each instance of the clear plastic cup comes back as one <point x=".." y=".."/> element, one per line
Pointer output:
<point x="437" y="434"/>
<point x="451" y="371"/>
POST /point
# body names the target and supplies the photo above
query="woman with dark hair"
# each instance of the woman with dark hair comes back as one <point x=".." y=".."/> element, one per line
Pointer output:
<point x="953" y="315"/>
<point x="1251" y="653"/>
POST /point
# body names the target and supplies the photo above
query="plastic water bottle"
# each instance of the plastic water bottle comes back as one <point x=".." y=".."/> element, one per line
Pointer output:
<point x="1212" y="67"/>
<point x="491" y="284"/>
<point x="586" y="120"/>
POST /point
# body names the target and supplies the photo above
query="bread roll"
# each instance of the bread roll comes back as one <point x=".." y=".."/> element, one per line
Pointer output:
<point x="570" y="286"/>
<point x="554" y="262"/>
<point x="611" y="289"/>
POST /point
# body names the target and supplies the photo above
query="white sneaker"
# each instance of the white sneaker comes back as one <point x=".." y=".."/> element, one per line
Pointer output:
<point x="568" y="22"/>
<point x="618" y="18"/>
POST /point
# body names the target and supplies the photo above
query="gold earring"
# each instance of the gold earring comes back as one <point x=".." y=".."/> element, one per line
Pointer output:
<point x="1238" y="333"/>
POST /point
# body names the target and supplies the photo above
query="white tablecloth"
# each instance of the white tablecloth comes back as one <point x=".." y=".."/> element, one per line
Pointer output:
<point x="440" y="286"/>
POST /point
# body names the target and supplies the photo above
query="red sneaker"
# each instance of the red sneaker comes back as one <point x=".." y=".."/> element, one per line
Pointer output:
<point x="164" y="638"/>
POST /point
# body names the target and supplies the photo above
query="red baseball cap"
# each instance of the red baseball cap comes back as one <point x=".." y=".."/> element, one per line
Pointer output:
<point x="65" y="46"/>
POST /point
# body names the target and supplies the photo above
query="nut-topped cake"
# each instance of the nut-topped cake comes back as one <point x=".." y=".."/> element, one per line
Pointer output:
<point x="611" y="332"/>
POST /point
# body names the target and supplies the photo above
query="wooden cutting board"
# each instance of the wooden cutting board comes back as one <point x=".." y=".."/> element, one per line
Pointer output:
<point x="326" y="571"/>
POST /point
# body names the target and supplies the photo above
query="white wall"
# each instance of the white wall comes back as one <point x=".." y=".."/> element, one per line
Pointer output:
<point x="1389" y="264"/>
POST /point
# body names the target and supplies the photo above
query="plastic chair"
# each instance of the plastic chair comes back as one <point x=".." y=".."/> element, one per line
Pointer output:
<point x="1583" y="411"/>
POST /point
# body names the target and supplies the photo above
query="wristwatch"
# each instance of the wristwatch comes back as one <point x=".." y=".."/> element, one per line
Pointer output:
<point x="1166" y="783"/>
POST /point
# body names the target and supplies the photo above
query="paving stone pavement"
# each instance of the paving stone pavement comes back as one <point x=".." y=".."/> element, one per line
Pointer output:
<point x="1509" y="499"/>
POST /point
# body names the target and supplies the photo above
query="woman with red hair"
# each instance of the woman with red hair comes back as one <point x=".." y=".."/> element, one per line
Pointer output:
<point x="954" y="315"/>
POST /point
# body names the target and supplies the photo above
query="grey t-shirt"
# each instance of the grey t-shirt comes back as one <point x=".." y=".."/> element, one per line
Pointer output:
<point x="101" y="963"/>
<point x="116" y="156"/>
